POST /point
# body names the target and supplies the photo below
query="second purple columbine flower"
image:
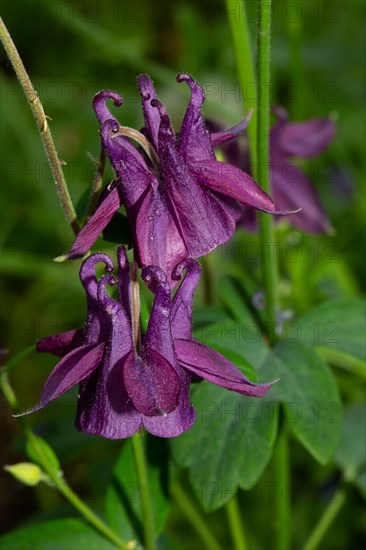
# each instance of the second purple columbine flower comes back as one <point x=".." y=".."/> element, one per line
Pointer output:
<point x="124" y="385"/>
<point x="181" y="202"/>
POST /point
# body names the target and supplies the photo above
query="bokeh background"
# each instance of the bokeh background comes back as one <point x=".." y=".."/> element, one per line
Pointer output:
<point x="74" y="49"/>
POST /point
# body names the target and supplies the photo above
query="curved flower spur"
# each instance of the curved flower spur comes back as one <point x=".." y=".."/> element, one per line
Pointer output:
<point x="123" y="387"/>
<point x="181" y="202"/>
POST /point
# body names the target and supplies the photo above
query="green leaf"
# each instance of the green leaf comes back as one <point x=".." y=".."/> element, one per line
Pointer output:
<point x="351" y="453"/>
<point x="308" y="389"/>
<point x="40" y="452"/>
<point x="229" y="445"/>
<point x="123" y="505"/>
<point x="60" y="534"/>
<point x="232" y="297"/>
<point x="336" y="324"/>
<point x="118" y="230"/>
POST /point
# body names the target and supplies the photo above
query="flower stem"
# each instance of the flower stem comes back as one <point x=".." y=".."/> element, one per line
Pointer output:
<point x="236" y="525"/>
<point x="190" y="511"/>
<point x="326" y="520"/>
<point x="236" y="13"/>
<point x="56" y="475"/>
<point x="140" y="462"/>
<point x="41" y="120"/>
<point x="266" y="222"/>
<point x="72" y="497"/>
<point x="282" y="506"/>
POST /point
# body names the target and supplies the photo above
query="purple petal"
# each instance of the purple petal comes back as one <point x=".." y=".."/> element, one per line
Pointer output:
<point x="179" y="420"/>
<point x="104" y="407"/>
<point x="222" y="136"/>
<point x="182" y="307"/>
<point x="61" y="344"/>
<point x="211" y="365"/>
<point x="194" y="139"/>
<point x="292" y="189"/>
<point x="96" y="329"/>
<point x="73" y="368"/>
<point x="124" y="280"/>
<point x="151" y="383"/>
<point x="127" y="162"/>
<point x="158" y="239"/>
<point x="94" y="227"/>
<point x="99" y="104"/>
<point x="151" y="115"/>
<point x="300" y="139"/>
<point x="202" y="220"/>
<point x="232" y="182"/>
<point x="105" y="117"/>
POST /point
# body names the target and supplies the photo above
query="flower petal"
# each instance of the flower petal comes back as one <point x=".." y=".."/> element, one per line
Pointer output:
<point x="94" y="227"/>
<point x="223" y="136"/>
<point x="194" y="142"/>
<point x="124" y="280"/>
<point x="151" y="383"/>
<point x="182" y="306"/>
<point x="211" y="365"/>
<point x="127" y="162"/>
<point x="61" y="344"/>
<point x="73" y="368"/>
<point x="104" y="407"/>
<point x="158" y="239"/>
<point x="202" y="219"/>
<point x="293" y="189"/>
<point x="300" y="139"/>
<point x="179" y="420"/>
<point x="232" y="182"/>
<point x="104" y="116"/>
<point x="151" y="115"/>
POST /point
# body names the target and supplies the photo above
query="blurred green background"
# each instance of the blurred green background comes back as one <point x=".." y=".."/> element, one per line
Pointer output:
<point x="73" y="49"/>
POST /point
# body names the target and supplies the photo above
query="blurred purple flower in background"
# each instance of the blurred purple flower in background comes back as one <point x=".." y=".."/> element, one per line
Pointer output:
<point x="291" y="188"/>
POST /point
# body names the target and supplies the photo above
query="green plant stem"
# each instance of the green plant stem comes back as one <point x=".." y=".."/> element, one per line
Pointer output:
<point x="236" y="13"/>
<point x="326" y="520"/>
<point x="191" y="513"/>
<point x="41" y="120"/>
<point x="266" y="222"/>
<point x="236" y="525"/>
<point x="71" y="496"/>
<point x="282" y="507"/>
<point x="56" y="475"/>
<point x="139" y="455"/>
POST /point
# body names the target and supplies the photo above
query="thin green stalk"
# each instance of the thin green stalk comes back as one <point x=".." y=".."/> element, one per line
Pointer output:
<point x="266" y="222"/>
<point x="236" y="13"/>
<point x="282" y="506"/>
<point x="236" y="525"/>
<point x="326" y="520"/>
<point x="139" y="454"/>
<point x="189" y="509"/>
<point x="41" y="120"/>
<point x="73" y="498"/>
<point x="56" y="475"/>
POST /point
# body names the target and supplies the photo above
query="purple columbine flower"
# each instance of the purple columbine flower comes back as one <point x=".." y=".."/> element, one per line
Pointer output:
<point x="181" y="202"/>
<point x="291" y="187"/>
<point x="123" y="386"/>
